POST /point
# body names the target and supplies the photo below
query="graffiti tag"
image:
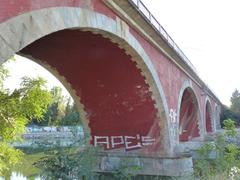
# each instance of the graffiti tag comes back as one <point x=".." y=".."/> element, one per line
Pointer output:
<point x="128" y="142"/>
<point x="173" y="124"/>
<point x="173" y="116"/>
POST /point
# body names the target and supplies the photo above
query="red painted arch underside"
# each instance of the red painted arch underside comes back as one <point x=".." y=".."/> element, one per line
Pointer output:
<point x="208" y="119"/>
<point x="114" y="93"/>
<point x="188" y="117"/>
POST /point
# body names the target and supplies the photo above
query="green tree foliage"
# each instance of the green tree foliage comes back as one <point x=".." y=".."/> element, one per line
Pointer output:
<point x="16" y="109"/>
<point x="234" y="111"/>
<point x="225" y="155"/>
<point x="72" y="116"/>
<point x="61" y="112"/>
<point x="235" y="102"/>
<point x="69" y="164"/>
<point x="227" y="113"/>
<point x="72" y="162"/>
<point x="56" y="110"/>
<point x="4" y="73"/>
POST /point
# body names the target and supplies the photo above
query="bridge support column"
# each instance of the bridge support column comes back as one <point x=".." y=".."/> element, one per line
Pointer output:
<point x="146" y="165"/>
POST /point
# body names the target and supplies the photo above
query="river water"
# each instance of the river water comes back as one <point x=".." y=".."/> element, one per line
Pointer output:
<point x="35" y="145"/>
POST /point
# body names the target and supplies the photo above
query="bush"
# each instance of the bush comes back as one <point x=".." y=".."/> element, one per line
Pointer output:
<point x="226" y="155"/>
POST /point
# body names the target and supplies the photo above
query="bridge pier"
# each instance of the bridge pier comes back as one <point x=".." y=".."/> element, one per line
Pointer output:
<point x="179" y="166"/>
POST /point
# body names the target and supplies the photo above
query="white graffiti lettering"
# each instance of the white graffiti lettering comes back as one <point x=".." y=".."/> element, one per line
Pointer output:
<point x="101" y="140"/>
<point x="117" y="140"/>
<point x="147" y="141"/>
<point x="128" y="142"/>
<point x="173" y="125"/>
<point x="173" y="116"/>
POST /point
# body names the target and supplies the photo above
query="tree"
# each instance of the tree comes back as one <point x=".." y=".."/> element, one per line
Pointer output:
<point x="227" y="113"/>
<point x="61" y="112"/>
<point x="234" y="111"/>
<point x="235" y="102"/>
<point x="72" y="116"/>
<point x="69" y="163"/>
<point x="16" y="109"/>
<point x="226" y="155"/>
<point x="56" y="110"/>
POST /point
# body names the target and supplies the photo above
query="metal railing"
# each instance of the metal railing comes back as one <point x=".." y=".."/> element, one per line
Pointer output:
<point x="138" y="4"/>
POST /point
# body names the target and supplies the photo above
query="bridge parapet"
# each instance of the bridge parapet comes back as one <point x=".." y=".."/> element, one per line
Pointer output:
<point x="138" y="4"/>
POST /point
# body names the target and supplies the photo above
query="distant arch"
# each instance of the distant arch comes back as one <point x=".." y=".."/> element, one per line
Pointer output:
<point x="188" y="113"/>
<point x="208" y="116"/>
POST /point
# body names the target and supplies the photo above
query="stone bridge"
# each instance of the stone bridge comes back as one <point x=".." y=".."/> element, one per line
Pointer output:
<point x="138" y="94"/>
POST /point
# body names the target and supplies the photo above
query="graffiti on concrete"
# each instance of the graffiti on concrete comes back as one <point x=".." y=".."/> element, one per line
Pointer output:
<point x="128" y="142"/>
<point x="173" y="124"/>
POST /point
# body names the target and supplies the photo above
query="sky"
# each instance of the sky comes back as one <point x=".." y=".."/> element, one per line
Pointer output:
<point x="24" y="67"/>
<point x="207" y="31"/>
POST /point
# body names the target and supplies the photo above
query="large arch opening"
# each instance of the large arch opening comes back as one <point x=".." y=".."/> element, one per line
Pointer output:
<point x="189" y="116"/>
<point x="140" y="122"/>
<point x="208" y="118"/>
<point x="119" y="108"/>
<point x="118" y="32"/>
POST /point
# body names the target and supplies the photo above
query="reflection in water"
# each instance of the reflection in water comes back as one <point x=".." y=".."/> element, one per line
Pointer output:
<point x="19" y="176"/>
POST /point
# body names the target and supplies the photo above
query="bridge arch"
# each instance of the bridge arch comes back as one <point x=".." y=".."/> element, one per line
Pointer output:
<point x="23" y="30"/>
<point x="189" y="115"/>
<point x="208" y="116"/>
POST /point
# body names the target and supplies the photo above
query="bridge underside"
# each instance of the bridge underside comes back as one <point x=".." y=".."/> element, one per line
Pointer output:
<point x="119" y="108"/>
<point x="189" y="117"/>
<point x="208" y="117"/>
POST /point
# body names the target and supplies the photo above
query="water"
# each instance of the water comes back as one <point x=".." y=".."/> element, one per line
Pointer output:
<point x="38" y="143"/>
<point x="19" y="176"/>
